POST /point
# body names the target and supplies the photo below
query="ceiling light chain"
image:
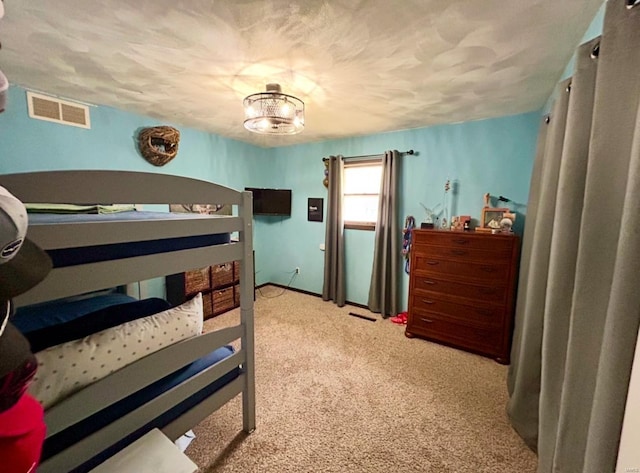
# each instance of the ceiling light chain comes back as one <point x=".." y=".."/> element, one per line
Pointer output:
<point x="273" y="113"/>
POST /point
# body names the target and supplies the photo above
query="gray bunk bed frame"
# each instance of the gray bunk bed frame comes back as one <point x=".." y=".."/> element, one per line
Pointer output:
<point x="122" y="187"/>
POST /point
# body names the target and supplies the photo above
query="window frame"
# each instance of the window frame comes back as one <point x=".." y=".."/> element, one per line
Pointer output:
<point x="354" y="224"/>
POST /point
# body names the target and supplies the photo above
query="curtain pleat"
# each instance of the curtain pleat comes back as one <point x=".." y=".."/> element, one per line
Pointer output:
<point x="621" y="331"/>
<point x="517" y="353"/>
<point x="334" y="287"/>
<point x="523" y="405"/>
<point x="385" y="274"/>
<point x="578" y="309"/>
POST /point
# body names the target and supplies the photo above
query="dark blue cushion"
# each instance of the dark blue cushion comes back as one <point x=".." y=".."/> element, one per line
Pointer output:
<point x="94" y="322"/>
<point x="46" y="314"/>
<point x="92" y="254"/>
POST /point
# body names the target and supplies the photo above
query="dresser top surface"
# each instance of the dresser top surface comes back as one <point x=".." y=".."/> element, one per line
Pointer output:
<point x="465" y="234"/>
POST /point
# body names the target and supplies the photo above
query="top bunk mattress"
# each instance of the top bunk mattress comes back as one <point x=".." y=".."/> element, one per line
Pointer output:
<point x="65" y="257"/>
<point x="56" y="218"/>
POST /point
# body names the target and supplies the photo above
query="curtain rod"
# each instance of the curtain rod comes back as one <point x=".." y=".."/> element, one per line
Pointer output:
<point x="370" y="156"/>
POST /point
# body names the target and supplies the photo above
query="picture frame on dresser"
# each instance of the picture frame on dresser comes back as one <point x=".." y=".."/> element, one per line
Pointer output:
<point x="492" y="214"/>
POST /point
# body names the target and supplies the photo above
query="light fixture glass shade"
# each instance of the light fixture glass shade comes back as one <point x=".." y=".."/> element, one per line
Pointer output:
<point x="273" y="113"/>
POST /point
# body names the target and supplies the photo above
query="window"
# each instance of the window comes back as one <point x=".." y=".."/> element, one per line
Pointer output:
<point x="361" y="194"/>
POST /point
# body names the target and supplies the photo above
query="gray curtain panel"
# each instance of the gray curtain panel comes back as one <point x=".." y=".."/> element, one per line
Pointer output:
<point x="578" y="309"/>
<point x="385" y="276"/>
<point x="529" y="326"/>
<point x="334" y="287"/>
<point x="518" y="347"/>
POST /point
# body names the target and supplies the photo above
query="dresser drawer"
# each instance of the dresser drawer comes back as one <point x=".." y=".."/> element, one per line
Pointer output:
<point x="196" y="280"/>
<point x="489" y="271"/>
<point x="494" y="293"/>
<point x="501" y="253"/>
<point x="479" y="315"/>
<point x="464" y="240"/>
<point x="486" y="340"/>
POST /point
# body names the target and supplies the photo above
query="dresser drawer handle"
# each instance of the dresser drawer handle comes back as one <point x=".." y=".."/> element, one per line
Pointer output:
<point x="427" y="301"/>
<point x="423" y="319"/>
<point x="433" y="263"/>
<point x="429" y="281"/>
<point x="487" y="290"/>
<point x="461" y="241"/>
<point x="459" y="252"/>
<point x="488" y="269"/>
<point x="482" y="311"/>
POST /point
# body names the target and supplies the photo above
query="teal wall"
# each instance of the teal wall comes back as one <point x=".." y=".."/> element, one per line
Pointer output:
<point x="33" y="145"/>
<point x="492" y="156"/>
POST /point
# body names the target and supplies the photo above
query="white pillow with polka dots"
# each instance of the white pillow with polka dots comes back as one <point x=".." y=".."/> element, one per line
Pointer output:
<point x="66" y="368"/>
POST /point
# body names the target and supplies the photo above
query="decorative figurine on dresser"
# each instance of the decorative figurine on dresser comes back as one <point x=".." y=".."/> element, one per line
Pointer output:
<point x="462" y="290"/>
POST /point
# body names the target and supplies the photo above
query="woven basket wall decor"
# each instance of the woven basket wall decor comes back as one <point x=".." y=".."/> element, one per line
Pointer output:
<point x="159" y="144"/>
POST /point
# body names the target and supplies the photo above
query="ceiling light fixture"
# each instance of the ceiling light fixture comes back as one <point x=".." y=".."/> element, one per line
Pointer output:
<point x="273" y="113"/>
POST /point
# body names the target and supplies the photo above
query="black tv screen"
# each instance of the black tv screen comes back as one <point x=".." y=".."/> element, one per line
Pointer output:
<point x="271" y="201"/>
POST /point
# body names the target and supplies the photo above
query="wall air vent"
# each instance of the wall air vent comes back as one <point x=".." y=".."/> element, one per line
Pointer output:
<point x="52" y="109"/>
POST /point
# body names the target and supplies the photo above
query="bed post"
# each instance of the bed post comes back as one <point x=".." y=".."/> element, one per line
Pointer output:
<point x="246" y="313"/>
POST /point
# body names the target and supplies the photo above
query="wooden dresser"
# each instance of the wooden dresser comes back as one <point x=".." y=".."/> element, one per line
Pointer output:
<point x="462" y="289"/>
<point x="218" y="284"/>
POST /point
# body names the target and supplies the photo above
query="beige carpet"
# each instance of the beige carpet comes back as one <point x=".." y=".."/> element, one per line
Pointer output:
<point x="339" y="394"/>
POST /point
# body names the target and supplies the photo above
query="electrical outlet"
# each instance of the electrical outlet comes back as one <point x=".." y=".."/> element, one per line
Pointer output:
<point x="297" y="270"/>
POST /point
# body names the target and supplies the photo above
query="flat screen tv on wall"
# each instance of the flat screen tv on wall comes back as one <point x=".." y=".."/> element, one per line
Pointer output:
<point x="271" y="201"/>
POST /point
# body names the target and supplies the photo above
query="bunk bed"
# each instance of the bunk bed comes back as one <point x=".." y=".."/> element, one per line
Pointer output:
<point x="178" y="385"/>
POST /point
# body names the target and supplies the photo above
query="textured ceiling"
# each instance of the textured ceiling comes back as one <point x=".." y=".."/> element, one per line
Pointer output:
<point x="361" y="66"/>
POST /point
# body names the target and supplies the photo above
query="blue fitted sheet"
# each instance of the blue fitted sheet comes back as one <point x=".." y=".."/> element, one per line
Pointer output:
<point x="93" y="254"/>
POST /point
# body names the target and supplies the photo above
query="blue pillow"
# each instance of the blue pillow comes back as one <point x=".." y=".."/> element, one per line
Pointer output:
<point x="94" y="322"/>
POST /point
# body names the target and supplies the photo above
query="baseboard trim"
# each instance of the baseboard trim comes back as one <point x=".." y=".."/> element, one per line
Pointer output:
<point x="309" y="293"/>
